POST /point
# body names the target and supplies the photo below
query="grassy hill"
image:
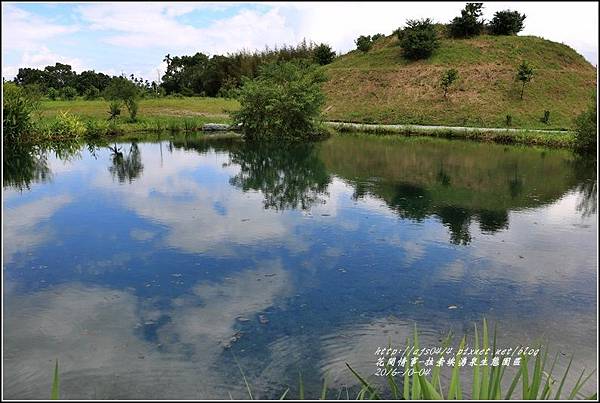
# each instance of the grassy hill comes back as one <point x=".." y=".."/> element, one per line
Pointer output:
<point x="382" y="87"/>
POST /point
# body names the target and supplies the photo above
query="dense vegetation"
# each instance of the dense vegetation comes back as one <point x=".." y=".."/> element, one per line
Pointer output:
<point x="586" y="134"/>
<point x="283" y="102"/>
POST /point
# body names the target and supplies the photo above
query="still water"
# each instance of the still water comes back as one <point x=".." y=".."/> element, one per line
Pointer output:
<point x="151" y="269"/>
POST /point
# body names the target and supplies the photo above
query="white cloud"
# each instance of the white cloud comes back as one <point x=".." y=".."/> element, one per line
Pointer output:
<point x="29" y="35"/>
<point x="155" y="25"/>
<point x="25" y="31"/>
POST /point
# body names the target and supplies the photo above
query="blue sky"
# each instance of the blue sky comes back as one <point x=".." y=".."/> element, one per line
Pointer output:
<point x="135" y="37"/>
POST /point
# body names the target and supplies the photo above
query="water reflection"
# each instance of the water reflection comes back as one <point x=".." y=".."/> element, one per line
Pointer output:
<point x="145" y="277"/>
<point x="23" y="166"/>
<point x="126" y="166"/>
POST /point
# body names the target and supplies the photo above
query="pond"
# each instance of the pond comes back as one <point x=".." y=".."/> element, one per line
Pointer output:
<point x="157" y="268"/>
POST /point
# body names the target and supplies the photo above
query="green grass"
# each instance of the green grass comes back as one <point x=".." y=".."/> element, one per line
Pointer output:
<point x="382" y="87"/>
<point x="155" y="115"/>
<point x="534" y="379"/>
<point x="213" y="108"/>
<point x="556" y="139"/>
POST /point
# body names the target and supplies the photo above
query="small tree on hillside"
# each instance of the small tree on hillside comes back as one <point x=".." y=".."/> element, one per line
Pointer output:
<point x="364" y="43"/>
<point x="507" y="22"/>
<point x="448" y="78"/>
<point x="418" y="39"/>
<point x="377" y="37"/>
<point x="524" y="75"/>
<point x="469" y="23"/>
<point x="323" y="54"/>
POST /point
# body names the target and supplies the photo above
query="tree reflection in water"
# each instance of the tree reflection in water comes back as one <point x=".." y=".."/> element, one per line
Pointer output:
<point x="126" y="167"/>
<point x="289" y="176"/>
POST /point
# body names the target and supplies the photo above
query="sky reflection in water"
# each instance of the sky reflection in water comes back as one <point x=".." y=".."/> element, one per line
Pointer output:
<point x="135" y="264"/>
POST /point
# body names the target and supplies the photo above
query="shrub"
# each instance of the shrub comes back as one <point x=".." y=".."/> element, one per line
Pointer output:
<point x="524" y="75"/>
<point x="114" y="109"/>
<point x="91" y="93"/>
<point x="545" y="119"/>
<point x="507" y="22"/>
<point x="448" y="78"/>
<point x="586" y="136"/>
<point x="468" y="24"/>
<point x="18" y="108"/>
<point x="52" y="94"/>
<point x="323" y="54"/>
<point x="377" y="37"/>
<point x="283" y="102"/>
<point x="95" y="128"/>
<point x="419" y="39"/>
<point x="68" y="93"/>
<point x="65" y="125"/>
<point x="132" y="106"/>
<point x="508" y="120"/>
<point x="364" y="43"/>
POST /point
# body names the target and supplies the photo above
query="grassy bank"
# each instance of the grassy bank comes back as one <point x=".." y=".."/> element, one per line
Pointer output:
<point x="60" y="120"/>
<point x="189" y="114"/>
<point x="556" y="139"/>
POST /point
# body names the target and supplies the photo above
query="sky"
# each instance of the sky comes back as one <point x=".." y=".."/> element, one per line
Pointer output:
<point x="134" y="37"/>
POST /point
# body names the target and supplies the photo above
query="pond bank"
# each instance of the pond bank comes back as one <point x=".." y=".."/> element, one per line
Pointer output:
<point x="548" y="138"/>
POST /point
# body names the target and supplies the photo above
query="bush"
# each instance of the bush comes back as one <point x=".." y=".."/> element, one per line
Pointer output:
<point x="114" y="109"/>
<point x="586" y="135"/>
<point x="323" y="54"/>
<point x="65" y="125"/>
<point x="96" y="128"/>
<point x="468" y="24"/>
<point x="364" y="43"/>
<point x="545" y="119"/>
<point x="377" y="37"/>
<point x="419" y="39"/>
<point x="91" y="93"/>
<point x="448" y="78"/>
<point x="132" y="106"/>
<point x="52" y="94"/>
<point x="69" y="93"/>
<point x="283" y="102"/>
<point x="508" y="120"/>
<point x="507" y="22"/>
<point x="18" y="108"/>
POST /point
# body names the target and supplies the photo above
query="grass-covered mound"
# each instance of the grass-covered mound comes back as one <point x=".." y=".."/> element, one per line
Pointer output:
<point x="381" y="86"/>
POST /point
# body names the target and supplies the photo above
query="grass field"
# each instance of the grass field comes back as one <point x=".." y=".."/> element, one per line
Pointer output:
<point x="191" y="113"/>
<point x="382" y="87"/>
<point x="163" y="114"/>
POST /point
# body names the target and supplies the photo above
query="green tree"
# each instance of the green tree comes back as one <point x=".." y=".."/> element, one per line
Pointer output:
<point x="52" y="94"/>
<point x="469" y="23"/>
<point x="418" y="39"/>
<point x="364" y="43"/>
<point x="68" y="93"/>
<point x="507" y="22"/>
<point x="448" y="78"/>
<point x="377" y="37"/>
<point x="524" y="75"/>
<point x="124" y="90"/>
<point x="283" y="103"/>
<point x="91" y="93"/>
<point x="323" y="54"/>
<point x="17" y="108"/>
<point x="586" y="132"/>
